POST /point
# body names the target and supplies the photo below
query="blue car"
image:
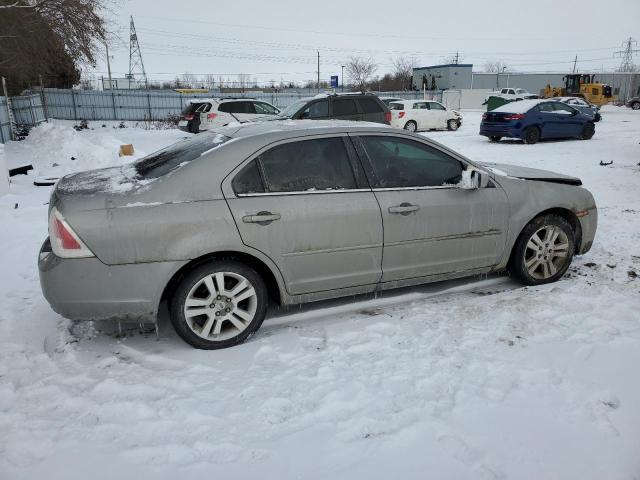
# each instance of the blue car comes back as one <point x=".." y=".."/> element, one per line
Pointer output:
<point x="534" y="120"/>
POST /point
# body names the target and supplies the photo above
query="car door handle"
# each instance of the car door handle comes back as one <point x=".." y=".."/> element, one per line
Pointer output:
<point x="261" y="218"/>
<point x="404" y="209"/>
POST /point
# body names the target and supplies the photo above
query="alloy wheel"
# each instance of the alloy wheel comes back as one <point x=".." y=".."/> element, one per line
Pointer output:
<point x="546" y="252"/>
<point x="220" y="306"/>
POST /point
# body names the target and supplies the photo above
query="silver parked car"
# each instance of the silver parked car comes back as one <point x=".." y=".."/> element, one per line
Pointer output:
<point x="221" y="224"/>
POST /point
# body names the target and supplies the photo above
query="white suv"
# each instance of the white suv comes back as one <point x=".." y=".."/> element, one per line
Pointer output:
<point x="416" y="115"/>
<point x="206" y="113"/>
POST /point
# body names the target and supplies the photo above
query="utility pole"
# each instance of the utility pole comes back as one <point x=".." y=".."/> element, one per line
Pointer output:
<point x="106" y="45"/>
<point x="457" y="57"/>
<point x="318" y="71"/>
<point x="342" y="77"/>
<point x="575" y="63"/>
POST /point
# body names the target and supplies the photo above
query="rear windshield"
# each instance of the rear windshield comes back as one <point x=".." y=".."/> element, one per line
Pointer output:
<point x="190" y="108"/>
<point x="163" y="161"/>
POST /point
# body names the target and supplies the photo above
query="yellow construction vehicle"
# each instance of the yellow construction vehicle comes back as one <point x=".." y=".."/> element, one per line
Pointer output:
<point x="582" y="85"/>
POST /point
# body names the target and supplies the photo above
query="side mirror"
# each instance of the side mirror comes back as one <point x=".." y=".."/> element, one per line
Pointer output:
<point x="473" y="179"/>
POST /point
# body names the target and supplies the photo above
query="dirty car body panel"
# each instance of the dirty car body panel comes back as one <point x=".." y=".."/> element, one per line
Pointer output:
<point x="145" y="226"/>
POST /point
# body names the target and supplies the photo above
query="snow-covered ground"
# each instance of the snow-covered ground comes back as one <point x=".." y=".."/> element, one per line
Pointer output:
<point x="473" y="379"/>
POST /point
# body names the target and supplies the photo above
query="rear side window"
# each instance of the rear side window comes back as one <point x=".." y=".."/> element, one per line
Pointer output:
<point x="248" y="180"/>
<point x="236" y="107"/>
<point x="401" y="163"/>
<point x="546" y="107"/>
<point x="319" y="164"/>
<point x="369" y="105"/>
<point x="421" y="106"/>
<point x="190" y="108"/>
<point x="396" y="106"/>
<point x="163" y="161"/>
<point x="344" y="106"/>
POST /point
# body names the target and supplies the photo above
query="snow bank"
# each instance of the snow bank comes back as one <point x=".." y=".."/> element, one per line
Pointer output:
<point x="56" y="149"/>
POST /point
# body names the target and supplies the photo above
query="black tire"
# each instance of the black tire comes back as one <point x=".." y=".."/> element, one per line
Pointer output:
<point x="531" y="135"/>
<point x="452" y="125"/>
<point x="522" y="254"/>
<point x="635" y="106"/>
<point x="411" y="126"/>
<point x="191" y="279"/>
<point x="597" y="117"/>
<point x="194" y="125"/>
<point x="588" y="131"/>
<point x="495" y="138"/>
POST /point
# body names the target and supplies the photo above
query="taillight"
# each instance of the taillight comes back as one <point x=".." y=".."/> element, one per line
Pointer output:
<point x="515" y="116"/>
<point x="485" y="116"/>
<point x="211" y="116"/>
<point x="64" y="241"/>
<point x="188" y="117"/>
<point x="387" y="117"/>
<point x="401" y="114"/>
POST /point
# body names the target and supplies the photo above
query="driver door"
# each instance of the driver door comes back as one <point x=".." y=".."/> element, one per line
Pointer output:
<point x="431" y="225"/>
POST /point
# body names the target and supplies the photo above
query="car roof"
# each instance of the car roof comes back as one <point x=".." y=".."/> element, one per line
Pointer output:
<point x="521" y="106"/>
<point x="291" y="128"/>
<point x="224" y="99"/>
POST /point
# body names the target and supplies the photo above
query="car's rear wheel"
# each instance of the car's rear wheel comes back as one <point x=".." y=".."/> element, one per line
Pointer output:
<point x="635" y="105"/>
<point x="411" y="126"/>
<point x="543" y="251"/>
<point x="532" y="135"/>
<point x="219" y="305"/>
<point x="588" y="131"/>
<point x="495" y="138"/>
<point x="452" y="124"/>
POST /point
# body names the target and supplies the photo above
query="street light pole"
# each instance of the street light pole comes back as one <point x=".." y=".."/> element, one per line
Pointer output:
<point x="342" y="77"/>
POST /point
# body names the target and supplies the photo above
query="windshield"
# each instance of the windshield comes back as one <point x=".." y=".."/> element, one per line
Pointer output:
<point x="164" y="161"/>
<point x="293" y="108"/>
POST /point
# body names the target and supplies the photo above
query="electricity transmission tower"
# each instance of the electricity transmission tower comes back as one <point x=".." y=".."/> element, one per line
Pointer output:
<point x="626" y="65"/>
<point x="136" y="66"/>
<point x="627" y="55"/>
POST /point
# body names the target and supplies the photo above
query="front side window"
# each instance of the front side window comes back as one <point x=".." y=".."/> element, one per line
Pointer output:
<point x="344" y="106"/>
<point x="436" y="106"/>
<point x="316" y="110"/>
<point x="402" y="163"/>
<point x="307" y="165"/>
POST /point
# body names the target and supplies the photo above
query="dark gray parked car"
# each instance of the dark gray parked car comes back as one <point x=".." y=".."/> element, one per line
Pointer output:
<point x="634" y="103"/>
<point x="364" y="107"/>
<point x="222" y="223"/>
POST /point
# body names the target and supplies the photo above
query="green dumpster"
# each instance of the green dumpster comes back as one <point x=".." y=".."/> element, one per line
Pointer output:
<point x="494" y="102"/>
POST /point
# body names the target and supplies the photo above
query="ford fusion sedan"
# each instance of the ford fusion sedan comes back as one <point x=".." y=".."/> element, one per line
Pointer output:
<point x="223" y="224"/>
<point x="535" y="120"/>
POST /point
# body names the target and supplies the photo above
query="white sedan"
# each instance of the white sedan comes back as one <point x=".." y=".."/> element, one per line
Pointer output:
<point x="415" y="115"/>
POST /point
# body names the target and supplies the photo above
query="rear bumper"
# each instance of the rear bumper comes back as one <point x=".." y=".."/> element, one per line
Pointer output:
<point x="87" y="289"/>
<point x="495" y="130"/>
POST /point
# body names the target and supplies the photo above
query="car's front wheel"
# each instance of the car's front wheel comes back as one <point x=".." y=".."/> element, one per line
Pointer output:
<point x="543" y="251"/>
<point x="411" y="126"/>
<point x="219" y="304"/>
<point x="452" y="124"/>
<point x="588" y="131"/>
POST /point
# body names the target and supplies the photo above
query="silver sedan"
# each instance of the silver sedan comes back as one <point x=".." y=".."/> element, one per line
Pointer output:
<point x="220" y="225"/>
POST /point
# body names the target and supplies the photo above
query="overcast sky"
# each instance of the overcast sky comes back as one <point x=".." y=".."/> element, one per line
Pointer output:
<point x="278" y="40"/>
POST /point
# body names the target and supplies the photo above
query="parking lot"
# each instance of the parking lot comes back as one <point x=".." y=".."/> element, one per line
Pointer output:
<point x="457" y="379"/>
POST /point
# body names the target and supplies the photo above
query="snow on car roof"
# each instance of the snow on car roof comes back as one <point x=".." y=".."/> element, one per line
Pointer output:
<point x="521" y="106"/>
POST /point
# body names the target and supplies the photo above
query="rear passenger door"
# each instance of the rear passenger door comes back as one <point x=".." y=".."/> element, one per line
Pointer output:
<point x="245" y="111"/>
<point x="439" y="114"/>
<point x="420" y="112"/>
<point x="344" y="109"/>
<point x="305" y="203"/>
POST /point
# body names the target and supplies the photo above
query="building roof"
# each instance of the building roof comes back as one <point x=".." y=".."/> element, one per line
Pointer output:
<point x="445" y="65"/>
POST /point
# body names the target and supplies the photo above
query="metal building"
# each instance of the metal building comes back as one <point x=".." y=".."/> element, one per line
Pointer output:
<point x="452" y="76"/>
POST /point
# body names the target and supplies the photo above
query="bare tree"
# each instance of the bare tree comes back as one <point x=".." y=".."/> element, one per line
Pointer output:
<point x="495" y="66"/>
<point x="210" y="80"/>
<point x="360" y="70"/>
<point x="403" y="72"/>
<point x="188" y="80"/>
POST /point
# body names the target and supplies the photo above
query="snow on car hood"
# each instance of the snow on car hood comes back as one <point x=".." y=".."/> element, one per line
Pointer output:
<point x="527" y="173"/>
